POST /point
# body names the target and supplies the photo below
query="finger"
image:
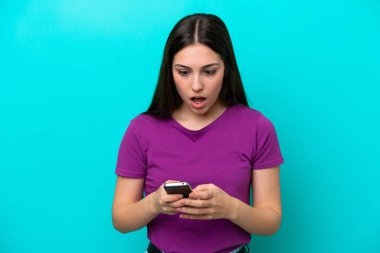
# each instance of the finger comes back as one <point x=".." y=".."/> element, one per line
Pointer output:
<point x="195" y="217"/>
<point x="168" y="209"/>
<point x="193" y="210"/>
<point x="168" y="198"/>
<point x="176" y="204"/>
<point x="202" y="187"/>
<point x="194" y="203"/>
<point x="201" y="195"/>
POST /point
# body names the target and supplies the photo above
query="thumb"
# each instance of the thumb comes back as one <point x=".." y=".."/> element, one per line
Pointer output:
<point x="201" y="187"/>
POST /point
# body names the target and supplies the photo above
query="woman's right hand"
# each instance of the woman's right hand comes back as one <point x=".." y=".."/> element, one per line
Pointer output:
<point x="166" y="203"/>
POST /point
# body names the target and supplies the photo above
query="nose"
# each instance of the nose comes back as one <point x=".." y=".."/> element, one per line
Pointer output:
<point x="196" y="84"/>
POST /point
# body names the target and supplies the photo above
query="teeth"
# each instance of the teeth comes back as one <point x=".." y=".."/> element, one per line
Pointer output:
<point x="198" y="100"/>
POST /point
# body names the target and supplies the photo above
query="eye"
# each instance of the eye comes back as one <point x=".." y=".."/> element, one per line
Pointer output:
<point x="210" y="72"/>
<point x="183" y="72"/>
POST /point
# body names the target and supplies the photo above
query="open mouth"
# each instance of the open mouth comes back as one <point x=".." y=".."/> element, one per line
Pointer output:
<point x="198" y="99"/>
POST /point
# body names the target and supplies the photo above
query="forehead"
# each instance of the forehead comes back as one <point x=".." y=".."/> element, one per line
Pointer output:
<point x="196" y="55"/>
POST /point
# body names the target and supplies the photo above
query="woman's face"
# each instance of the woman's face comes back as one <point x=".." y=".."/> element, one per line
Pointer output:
<point x="198" y="75"/>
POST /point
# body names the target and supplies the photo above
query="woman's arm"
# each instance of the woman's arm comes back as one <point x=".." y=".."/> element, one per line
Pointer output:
<point x="264" y="218"/>
<point x="131" y="212"/>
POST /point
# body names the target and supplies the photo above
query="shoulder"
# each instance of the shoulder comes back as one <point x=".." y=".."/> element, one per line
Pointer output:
<point x="145" y="119"/>
<point x="143" y="123"/>
<point x="251" y="116"/>
<point x="142" y="119"/>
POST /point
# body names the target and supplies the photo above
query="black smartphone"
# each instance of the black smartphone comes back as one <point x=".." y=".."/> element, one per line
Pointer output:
<point x="183" y="188"/>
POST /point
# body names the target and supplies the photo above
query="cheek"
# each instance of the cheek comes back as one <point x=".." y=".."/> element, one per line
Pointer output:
<point x="175" y="78"/>
<point x="218" y="83"/>
<point x="179" y="84"/>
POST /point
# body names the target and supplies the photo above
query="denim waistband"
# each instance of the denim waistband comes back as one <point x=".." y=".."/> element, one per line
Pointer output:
<point x="153" y="249"/>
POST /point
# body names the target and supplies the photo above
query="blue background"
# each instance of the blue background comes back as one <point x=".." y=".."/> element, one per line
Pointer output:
<point x="73" y="73"/>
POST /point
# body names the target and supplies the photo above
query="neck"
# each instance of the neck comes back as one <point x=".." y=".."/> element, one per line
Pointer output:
<point x="185" y="114"/>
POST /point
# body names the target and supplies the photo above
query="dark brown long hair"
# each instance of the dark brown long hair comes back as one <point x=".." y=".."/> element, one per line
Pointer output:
<point x="211" y="31"/>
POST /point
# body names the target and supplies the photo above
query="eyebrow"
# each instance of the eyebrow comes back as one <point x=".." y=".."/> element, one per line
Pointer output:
<point x="186" y="67"/>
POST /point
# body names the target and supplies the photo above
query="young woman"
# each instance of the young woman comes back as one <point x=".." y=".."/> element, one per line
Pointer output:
<point x="199" y="129"/>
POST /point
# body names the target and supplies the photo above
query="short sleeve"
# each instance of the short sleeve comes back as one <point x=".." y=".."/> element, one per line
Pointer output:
<point x="268" y="153"/>
<point x="131" y="159"/>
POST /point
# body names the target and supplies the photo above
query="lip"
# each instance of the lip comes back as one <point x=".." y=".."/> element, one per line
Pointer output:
<point x="198" y="105"/>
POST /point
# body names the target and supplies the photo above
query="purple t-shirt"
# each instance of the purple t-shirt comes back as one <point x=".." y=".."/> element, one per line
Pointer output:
<point x="223" y="153"/>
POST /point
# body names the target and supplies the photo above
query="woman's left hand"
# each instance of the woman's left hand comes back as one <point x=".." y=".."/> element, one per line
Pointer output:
<point x="206" y="202"/>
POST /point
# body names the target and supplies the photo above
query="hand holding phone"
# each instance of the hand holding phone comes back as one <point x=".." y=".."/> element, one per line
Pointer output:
<point x="183" y="188"/>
